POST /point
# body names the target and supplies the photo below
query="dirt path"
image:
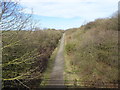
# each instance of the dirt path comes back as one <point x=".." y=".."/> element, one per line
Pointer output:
<point x="58" y="69"/>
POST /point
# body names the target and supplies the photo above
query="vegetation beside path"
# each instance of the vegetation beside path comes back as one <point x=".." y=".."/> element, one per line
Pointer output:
<point x="91" y="53"/>
<point x="26" y="55"/>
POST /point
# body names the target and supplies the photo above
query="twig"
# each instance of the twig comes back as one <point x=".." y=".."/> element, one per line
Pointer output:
<point x="23" y="84"/>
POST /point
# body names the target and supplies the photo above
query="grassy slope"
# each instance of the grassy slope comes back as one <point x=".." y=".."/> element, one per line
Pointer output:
<point x="92" y="52"/>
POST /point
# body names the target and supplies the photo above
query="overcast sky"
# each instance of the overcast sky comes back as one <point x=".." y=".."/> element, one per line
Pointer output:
<point x="64" y="14"/>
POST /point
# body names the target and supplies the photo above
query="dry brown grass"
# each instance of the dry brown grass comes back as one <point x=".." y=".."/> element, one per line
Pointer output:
<point x="93" y="51"/>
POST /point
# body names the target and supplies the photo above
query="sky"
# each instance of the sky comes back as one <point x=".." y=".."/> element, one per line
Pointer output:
<point x="65" y="14"/>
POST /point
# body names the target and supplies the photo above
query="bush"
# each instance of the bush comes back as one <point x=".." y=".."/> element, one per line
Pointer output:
<point x="94" y="50"/>
<point x="25" y="55"/>
<point x="70" y="47"/>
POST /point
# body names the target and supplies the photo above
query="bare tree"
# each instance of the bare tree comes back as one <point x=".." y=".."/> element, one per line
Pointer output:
<point x="12" y="16"/>
<point x="33" y="24"/>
